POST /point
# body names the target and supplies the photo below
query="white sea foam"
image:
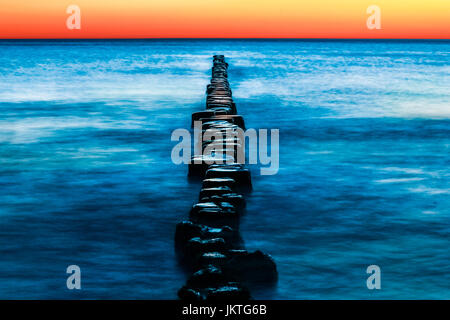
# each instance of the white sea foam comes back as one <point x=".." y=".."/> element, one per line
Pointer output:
<point x="398" y="180"/>
<point x="319" y="152"/>
<point x="430" y="191"/>
<point x="30" y="130"/>
<point x="348" y="83"/>
<point x="403" y="170"/>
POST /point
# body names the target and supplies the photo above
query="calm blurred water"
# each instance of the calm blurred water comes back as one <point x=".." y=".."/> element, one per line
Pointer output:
<point x="86" y="176"/>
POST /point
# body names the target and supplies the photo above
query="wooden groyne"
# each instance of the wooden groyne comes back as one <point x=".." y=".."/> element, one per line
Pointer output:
<point x="209" y="244"/>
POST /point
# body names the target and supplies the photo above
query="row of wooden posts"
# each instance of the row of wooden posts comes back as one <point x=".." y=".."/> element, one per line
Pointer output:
<point x="209" y="244"/>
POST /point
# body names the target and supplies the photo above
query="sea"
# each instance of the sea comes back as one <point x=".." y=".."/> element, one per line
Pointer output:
<point x="86" y="176"/>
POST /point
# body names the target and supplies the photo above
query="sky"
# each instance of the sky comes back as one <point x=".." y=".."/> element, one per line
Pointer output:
<point x="423" y="19"/>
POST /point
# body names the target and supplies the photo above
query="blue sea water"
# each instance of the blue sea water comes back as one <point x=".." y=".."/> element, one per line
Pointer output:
<point x="86" y="176"/>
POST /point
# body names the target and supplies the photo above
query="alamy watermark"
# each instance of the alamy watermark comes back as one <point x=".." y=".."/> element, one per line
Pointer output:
<point x="374" y="280"/>
<point x="74" y="20"/>
<point x="374" y="20"/>
<point x="74" y="280"/>
<point x="227" y="146"/>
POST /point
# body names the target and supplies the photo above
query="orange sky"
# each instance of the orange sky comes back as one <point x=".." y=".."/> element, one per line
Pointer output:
<point x="225" y="19"/>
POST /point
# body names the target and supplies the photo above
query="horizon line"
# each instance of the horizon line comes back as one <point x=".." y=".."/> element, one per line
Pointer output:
<point x="245" y="38"/>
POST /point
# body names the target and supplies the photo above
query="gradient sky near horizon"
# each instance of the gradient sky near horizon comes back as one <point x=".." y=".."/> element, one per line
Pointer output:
<point x="426" y="19"/>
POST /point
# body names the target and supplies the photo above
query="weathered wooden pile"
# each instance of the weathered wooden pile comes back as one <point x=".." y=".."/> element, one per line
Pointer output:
<point x="209" y="244"/>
